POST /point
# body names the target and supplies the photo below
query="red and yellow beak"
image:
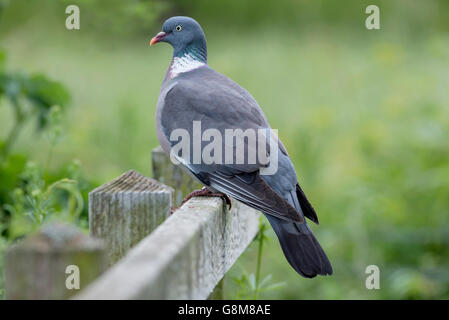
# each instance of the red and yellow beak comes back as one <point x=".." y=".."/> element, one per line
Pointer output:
<point x="161" y="35"/>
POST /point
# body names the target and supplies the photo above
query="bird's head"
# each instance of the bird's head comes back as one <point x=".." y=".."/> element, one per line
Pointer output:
<point x="184" y="34"/>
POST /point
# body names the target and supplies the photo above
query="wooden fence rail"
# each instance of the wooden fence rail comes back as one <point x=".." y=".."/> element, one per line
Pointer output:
<point x="152" y="254"/>
<point x="188" y="254"/>
<point x="184" y="258"/>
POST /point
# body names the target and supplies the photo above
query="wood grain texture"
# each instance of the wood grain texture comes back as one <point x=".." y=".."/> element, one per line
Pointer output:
<point x="167" y="172"/>
<point x="184" y="258"/>
<point x="127" y="209"/>
<point x="171" y="175"/>
<point x="36" y="266"/>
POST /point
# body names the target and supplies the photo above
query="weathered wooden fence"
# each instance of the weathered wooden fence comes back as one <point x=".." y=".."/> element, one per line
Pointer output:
<point x="149" y="253"/>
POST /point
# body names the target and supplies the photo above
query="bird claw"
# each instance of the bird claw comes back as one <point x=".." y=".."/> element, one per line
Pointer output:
<point x="224" y="197"/>
<point x="204" y="192"/>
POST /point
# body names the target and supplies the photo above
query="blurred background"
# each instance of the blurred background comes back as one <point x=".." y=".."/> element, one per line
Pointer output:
<point x="363" y="113"/>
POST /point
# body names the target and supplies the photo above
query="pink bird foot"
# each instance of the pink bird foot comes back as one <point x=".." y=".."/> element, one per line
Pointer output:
<point x="204" y="192"/>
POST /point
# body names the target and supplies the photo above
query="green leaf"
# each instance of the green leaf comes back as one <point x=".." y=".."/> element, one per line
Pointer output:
<point x="46" y="92"/>
<point x="43" y="94"/>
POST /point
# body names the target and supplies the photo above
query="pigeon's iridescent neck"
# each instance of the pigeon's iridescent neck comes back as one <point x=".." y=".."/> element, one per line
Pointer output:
<point x="187" y="60"/>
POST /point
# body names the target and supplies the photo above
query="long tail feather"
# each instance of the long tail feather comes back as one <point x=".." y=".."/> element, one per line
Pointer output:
<point x="301" y="249"/>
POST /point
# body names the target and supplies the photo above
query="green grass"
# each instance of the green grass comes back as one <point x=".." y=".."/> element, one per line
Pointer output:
<point x="365" y="120"/>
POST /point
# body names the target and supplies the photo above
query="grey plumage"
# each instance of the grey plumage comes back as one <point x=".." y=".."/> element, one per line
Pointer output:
<point x="202" y="94"/>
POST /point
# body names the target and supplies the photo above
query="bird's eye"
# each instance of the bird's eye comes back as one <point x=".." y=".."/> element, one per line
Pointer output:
<point x="178" y="27"/>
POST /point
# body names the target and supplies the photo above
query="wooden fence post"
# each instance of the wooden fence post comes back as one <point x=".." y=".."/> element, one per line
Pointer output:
<point x="46" y="264"/>
<point x="168" y="173"/>
<point x="171" y="175"/>
<point x="127" y="209"/>
<point x="184" y="258"/>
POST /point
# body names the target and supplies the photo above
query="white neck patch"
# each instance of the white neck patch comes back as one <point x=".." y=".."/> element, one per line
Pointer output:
<point x="184" y="64"/>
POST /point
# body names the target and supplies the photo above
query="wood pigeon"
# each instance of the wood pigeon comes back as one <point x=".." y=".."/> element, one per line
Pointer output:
<point x="192" y="93"/>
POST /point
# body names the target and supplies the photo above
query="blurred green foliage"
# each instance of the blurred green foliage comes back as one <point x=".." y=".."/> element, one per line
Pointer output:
<point x="119" y="17"/>
<point x="251" y="285"/>
<point x="29" y="193"/>
<point x="30" y="96"/>
<point x="364" y="115"/>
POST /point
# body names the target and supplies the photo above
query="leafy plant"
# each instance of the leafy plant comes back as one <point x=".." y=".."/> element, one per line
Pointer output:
<point x="250" y="284"/>
<point x="30" y="96"/>
<point x="35" y="201"/>
<point x="29" y="193"/>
